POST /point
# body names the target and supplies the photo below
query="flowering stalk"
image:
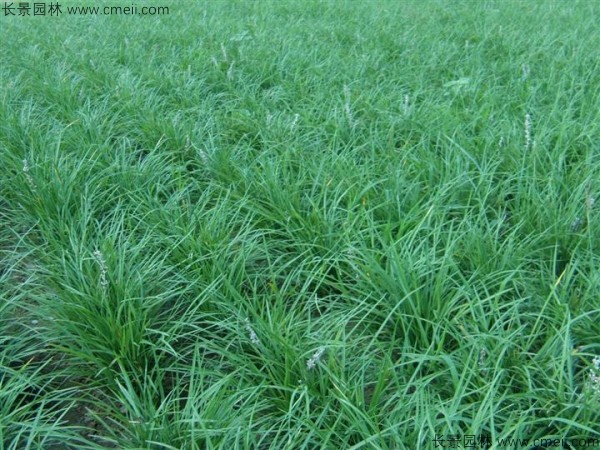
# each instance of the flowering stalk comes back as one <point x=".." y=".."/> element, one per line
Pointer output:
<point x="28" y="175"/>
<point x="594" y="381"/>
<point x="528" y="127"/>
<point x="103" y="270"/>
<point x="315" y="358"/>
<point x="295" y="121"/>
<point x="253" y="337"/>
<point x="482" y="360"/>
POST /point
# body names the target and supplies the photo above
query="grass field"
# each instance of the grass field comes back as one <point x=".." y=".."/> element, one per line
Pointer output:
<point x="301" y="225"/>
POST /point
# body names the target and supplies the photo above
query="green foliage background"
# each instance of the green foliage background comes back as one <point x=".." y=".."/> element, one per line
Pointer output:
<point x="195" y="204"/>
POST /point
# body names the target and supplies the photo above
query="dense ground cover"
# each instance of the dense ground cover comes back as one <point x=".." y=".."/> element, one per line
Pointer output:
<point x="300" y="225"/>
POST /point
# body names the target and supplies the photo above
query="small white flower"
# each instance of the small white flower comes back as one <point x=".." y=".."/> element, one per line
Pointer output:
<point x="28" y="175"/>
<point x="406" y="104"/>
<point x="482" y="359"/>
<point x="594" y="377"/>
<point x="230" y="71"/>
<point x="103" y="270"/>
<point x="203" y="156"/>
<point x="224" y="51"/>
<point x="589" y="201"/>
<point x="315" y="358"/>
<point x="348" y="107"/>
<point x="595" y="383"/>
<point x="295" y="121"/>
<point x="253" y="337"/>
<point x="528" y="126"/>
